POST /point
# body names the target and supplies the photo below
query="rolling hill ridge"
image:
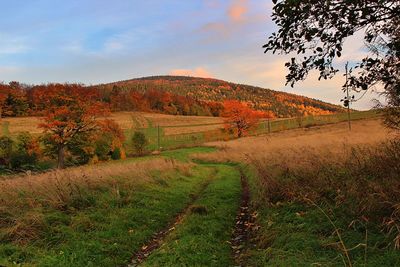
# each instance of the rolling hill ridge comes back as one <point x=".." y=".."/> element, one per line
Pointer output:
<point x="208" y="90"/>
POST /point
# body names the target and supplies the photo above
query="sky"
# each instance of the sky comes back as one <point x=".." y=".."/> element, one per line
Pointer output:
<point x="100" y="41"/>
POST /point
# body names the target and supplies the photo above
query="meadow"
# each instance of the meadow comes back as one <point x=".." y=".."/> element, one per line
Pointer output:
<point x="169" y="131"/>
<point x="318" y="195"/>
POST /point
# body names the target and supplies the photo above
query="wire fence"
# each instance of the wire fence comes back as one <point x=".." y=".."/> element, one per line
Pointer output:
<point x="158" y="140"/>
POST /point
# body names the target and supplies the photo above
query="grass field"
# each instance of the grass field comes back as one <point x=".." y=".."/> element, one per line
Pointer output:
<point x="310" y="194"/>
<point x="170" y="132"/>
<point x="127" y="120"/>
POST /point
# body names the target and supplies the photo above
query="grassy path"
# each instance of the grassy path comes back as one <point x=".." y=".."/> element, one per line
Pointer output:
<point x="202" y="238"/>
<point x="158" y="238"/>
<point x="113" y="225"/>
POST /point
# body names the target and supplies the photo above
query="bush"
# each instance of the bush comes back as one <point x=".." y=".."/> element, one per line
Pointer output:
<point x="6" y="147"/>
<point x="80" y="150"/>
<point x="104" y="147"/>
<point x="27" y="152"/>
<point x="116" y="154"/>
<point x="139" y="142"/>
<point x="23" y="161"/>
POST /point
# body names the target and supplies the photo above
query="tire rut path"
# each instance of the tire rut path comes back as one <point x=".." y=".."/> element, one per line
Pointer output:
<point x="245" y="226"/>
<point x="158" y="238"/>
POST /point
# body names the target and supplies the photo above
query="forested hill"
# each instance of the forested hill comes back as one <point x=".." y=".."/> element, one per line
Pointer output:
<point x="213" y="90"/>
<point x="164" y="94"/>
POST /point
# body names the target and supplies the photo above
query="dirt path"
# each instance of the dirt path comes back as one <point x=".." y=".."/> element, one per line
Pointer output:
<point x="158" y="238"/>
<point x="245" y="224"/>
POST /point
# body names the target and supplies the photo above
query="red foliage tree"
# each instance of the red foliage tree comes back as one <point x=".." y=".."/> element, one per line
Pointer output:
<point x="239" y="117"/>
<point x="70" y="111"/>
<point x="3" y="96"/>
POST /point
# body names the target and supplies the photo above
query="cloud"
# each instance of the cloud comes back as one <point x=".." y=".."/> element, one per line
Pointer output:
<point x="12" y="44"/>
<point x="237" y="10"/>
<point x="198" y="72"/>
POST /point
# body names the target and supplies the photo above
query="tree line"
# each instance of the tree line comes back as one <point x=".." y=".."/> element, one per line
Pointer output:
<point x="18" y="99"/>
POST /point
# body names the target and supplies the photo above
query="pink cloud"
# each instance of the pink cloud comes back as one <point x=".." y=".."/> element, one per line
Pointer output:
<point x="198" y="72"/>
<point x="237" y="10"/>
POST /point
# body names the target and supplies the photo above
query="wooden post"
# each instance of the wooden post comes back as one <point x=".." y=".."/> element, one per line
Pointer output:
<point x="158" y="137"/>
<point x="348" y="98"/>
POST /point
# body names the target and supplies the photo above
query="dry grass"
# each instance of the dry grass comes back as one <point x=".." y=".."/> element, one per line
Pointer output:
<point x="127" y="120"/>
<point x="328" y="139"/>
<point x="24" y="124"/>
<point x="171" y="120"/>
<point x="56" y="187"/>
<point x="23" y="197"/>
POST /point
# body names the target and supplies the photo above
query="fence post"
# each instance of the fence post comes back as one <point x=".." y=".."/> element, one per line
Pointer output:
<point x="269" y="126"/>
<point x="158" y="137"/>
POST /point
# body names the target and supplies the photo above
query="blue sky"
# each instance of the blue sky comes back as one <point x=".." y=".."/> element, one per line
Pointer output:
<point x="97" y="41"/>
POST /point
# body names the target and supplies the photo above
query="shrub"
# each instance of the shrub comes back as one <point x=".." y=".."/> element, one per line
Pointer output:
<point x="80" y="150"/>
<point x="6" y="147"/>
<point x="116" y="154"/>
<point x="27" y="152"/>
<point x="22" y="161"/>
<point x="104" y="147"/>
<point x="139" y="142"/>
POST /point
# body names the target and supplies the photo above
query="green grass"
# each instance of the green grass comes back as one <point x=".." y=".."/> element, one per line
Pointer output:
<point x="109" y="227"/>
<point x="297" y="234"/>
<point x="184" y="154"/>
<point x="202" y="239"/>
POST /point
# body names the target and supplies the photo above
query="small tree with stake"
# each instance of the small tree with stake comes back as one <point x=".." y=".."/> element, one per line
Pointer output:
<point x="139" y="142"/>
<point x="239" y="117"/>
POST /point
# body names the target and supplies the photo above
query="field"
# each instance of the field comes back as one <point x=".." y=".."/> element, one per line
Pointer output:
<point x="169" y="132"/>
<point x="127" y="120"/>
<point x="284" y="199"/>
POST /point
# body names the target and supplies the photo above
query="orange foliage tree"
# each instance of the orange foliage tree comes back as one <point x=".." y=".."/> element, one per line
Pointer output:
<point x="3" y="96"/>
<point x="70" y="110"/>
<point x="239" y="117"/>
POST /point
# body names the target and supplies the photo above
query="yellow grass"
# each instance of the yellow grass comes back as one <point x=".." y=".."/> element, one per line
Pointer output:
<point x="25" y="124"/>
<point x="171" y="120"/>
<point x="294" y="144"/>
<point x="58" y="186"/>
<point x="127" y="120"/>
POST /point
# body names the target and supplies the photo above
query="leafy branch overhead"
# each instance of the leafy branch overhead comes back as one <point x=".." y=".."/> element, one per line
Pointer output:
<point x="317" y="30"/>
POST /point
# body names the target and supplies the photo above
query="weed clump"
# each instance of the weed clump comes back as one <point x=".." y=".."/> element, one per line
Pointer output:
<point x="198" y="209"/>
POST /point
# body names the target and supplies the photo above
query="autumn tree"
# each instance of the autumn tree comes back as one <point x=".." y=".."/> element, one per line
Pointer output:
<point x="13" y="101"/>
<point x="3" y="96"/>
<point x="71" y="110"/>
<point x="27" y="151"/>
<point x="317" y="30"/>
<point x="239" y="117"/>
<point x="139" y="142"/>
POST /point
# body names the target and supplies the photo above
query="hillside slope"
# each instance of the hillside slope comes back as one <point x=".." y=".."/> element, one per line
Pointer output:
<point x="213" y="90"/>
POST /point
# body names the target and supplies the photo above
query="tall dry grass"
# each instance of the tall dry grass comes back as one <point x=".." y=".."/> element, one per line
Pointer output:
<point x="24" y="198"/>
<point x="335" y="139"/>
<point x="357" y="173"/>
<point x="363" y="183"/>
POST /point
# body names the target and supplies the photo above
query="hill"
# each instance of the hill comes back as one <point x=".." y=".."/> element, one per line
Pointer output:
<point x="174" y="95"/>
<point x="212" y="90"/>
